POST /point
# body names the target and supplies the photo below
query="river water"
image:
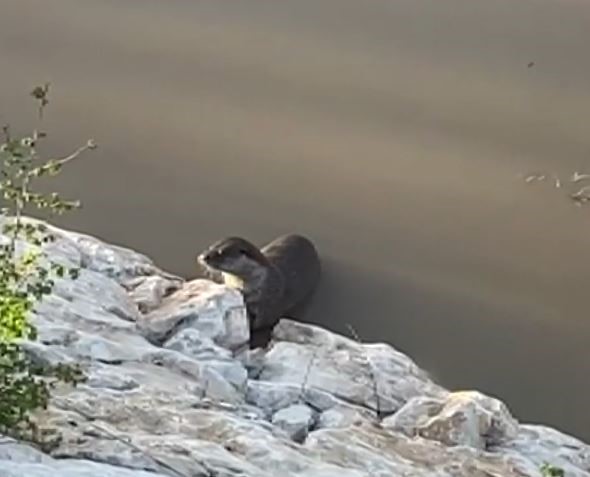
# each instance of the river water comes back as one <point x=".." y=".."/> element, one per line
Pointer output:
<point x="393" y="132"/>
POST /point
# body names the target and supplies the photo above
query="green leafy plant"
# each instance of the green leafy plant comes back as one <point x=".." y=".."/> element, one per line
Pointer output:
<point x="27" y="275"/>
<point x="548" y="470"/>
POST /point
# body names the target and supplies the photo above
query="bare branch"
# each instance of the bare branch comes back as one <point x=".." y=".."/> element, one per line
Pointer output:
<point x="577" y="177"/>
<point x="372" y="374"/>
<point x="90" y="145"/>
<point x="307" y="374"/>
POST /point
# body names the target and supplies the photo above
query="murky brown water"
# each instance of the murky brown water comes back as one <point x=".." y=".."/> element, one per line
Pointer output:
<point x="391" y="131"/>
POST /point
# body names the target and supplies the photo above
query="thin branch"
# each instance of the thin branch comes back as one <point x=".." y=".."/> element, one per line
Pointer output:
<point x="577" y="177"/>
<point x="40" y="93"/>
<point x="82" y="149"/>
<point x="307" y="374"/>
<point x="18" y="215"/>
<point x="6" y="132"/>
<point x="582" y="195"/>
<point x="534" y="177"/>
<point x="372" y="374"/>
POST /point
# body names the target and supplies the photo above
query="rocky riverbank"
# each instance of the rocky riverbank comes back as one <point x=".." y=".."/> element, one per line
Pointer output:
<point x="172" y="391"/>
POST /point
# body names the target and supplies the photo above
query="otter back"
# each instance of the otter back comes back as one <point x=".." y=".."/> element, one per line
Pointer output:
<point x="297" y="259"/>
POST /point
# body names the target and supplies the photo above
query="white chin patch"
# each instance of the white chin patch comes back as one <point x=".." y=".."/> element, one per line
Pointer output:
<point x="232" y="281"/>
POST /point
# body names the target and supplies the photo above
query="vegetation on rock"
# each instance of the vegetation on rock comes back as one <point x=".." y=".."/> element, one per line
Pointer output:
<point x="27" y="275"/>
<point x="549" y="470"/>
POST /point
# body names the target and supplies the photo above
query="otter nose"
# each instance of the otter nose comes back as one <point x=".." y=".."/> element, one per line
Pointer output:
<point x="202" y="258"/>
<point x="207" y="256"/>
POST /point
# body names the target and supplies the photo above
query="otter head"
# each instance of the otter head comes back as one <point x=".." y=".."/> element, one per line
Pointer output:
<point x="237" y="259"/>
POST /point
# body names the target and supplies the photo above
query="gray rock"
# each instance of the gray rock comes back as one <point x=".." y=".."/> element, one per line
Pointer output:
<point x="190" y="342"/>
<point x="271" y="396"/>
<point x="45" y="355"/>
<point x="462" y="418"/>
<point x="376" y="452"/>
<point x="116" y="348"/>
<point x="119" y="263"/>
<point x="100" y="291"/>
<point x="253" y="361"/>
<point x="218" y="313"/>
<point x="71" y="468"/>
<point x="110" y="377"/>
<point x="541" y="444"/>
<point x="176" y="362"/>
<point x="345" y="369"/>
<point x="147" y="292"/>
<point x="295" y="420"/>
<point x="232" y="371"/>
<point x="343" y="415"/>
<point x="218" y="388"/>
<point x="17" y="452"/>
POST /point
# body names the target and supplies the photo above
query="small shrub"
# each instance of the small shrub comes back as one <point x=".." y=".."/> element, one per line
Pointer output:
<point x="548" y="470"/>
<point x="27" y="275"/>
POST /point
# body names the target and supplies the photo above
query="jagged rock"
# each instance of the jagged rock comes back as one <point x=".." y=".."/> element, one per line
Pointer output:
<point x="119" y="263"/>
<point x="218" y="388"/>
<point x="110" y="377"/>
<point x="379" y="453"/>
<point x="271" y="397"/>
<point x="12" y="450"/>
<point x="345" y="368"/>
<point x="116" y="348"/>
<point x="190" y="342"/>
<point x="73" y="468"/>
<point x="99" y="291"/>
<point x="81" y="250"/>
<point x="231" y="370"/>
<point x="343" y="415"/>
<point x="147" y="292"/>
<point x="541" y="444"/>
<point x="461" y="418"/>
<point x="253" y="361"/>
<point x="295" y="420"/>
<point x="215" y="311"/>
<point x="191" y="401"/>
<point x="176" y="362"/>
<point x="44" y="355"/>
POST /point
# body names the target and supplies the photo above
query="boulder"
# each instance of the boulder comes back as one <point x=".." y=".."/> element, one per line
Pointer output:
<point x="461" y="418"/>
<point x="295" y="420"/>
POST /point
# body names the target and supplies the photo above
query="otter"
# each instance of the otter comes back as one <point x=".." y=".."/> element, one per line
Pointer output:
<point x="276" y="281"/>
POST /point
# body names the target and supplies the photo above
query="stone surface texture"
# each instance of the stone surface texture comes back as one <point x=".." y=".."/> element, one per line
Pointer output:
<point x="171" y="391"/>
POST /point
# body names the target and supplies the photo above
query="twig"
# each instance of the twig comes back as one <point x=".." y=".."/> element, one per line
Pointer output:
<point x="86" y="147"/>
<point x="6" y="132"/>
<point x="40" y="93"/>
<point x="307" y="373"/>
<point x="535" y="177"/>
<point x="577" y="177"/>
<point x="372" y="375"/>
<point x="582" y="195"/>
